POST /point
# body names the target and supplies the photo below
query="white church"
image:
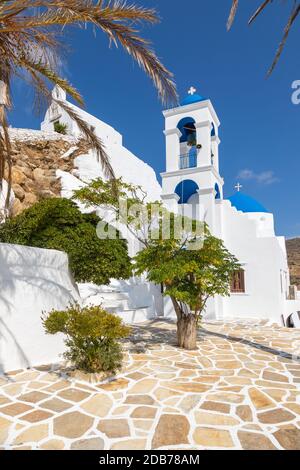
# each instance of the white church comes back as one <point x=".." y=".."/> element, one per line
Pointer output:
<point x="192" y="184"/>
<point x="34" y="280"/>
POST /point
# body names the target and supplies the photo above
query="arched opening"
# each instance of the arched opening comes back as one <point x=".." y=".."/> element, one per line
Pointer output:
<point x="213" y="130"/>
<point x="217" y="192"/>
<point x="188" y="131"/>
<point x="185" y="190"/>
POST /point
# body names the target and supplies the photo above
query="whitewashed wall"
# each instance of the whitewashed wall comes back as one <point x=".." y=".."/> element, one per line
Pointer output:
<point x="32" y="280"/>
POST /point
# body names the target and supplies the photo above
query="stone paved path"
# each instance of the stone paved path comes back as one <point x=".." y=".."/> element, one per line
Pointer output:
<point x="239" y="390"/>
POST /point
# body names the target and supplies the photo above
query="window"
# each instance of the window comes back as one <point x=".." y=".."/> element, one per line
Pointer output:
<point x="238" y="282"/>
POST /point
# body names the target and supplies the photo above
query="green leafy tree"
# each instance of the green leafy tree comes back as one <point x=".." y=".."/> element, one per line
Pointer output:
<point x="127" y="201"/>
<point x="58" y="224"/>
<point x="178" y="253"/>
<point x="92" y="336"/>
<point x="190" y="274"/>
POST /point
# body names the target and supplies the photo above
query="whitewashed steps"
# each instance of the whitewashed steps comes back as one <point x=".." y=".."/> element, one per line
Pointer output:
<point x="123" y="302"/>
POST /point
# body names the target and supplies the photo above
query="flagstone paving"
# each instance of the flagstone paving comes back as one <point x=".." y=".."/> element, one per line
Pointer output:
<point x="239" y="390"/>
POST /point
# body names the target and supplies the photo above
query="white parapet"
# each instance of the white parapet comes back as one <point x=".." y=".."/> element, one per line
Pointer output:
<point x="32" y="281"/>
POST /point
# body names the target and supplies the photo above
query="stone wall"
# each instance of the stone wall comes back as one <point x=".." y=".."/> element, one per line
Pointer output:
<point x="36" y="157"/>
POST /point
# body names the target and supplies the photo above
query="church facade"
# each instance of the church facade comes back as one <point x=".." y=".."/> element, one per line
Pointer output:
<point x="192" y="185"/>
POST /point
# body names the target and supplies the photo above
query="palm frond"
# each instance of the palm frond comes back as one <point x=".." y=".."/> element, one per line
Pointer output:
<point x="31" y="33"/>
<point x="232" y="14"/>
<point x="90" y="137"/>
<point x="43" y="69"/>
<point x="292" y="18"/>
<point x="259" y="10"/>
<point x="113" y="20"/>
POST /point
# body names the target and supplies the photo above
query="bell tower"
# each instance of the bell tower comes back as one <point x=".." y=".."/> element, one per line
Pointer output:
<point x="192" y="183"/>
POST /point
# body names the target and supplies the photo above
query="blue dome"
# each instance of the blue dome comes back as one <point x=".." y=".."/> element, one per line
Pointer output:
<point x="245" y="203"/>
<point x="190" y="99"/>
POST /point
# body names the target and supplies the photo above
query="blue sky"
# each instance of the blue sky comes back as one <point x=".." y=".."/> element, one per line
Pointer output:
<point x="259" y="124"/>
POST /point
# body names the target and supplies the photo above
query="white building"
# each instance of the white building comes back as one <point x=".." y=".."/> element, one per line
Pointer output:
<point x="192" y="183"/>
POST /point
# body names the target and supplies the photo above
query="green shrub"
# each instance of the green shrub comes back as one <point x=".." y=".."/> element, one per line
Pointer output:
<point x="60" y="128"/>
<point x="92" y="335"/>
<point x="58" y="224"/>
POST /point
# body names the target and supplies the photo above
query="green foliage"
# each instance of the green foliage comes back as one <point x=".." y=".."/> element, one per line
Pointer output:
<point x="183" y="255"/>
<point x="127" y="201"/>
<point x="58" y="224"/>
<point x="92" y="336"/>
<point x="190" y="276"/>
<point x="60" y="128"/>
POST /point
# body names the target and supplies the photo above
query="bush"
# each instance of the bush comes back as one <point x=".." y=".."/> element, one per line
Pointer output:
<point x="58" y="224"/>
<point x="60" y="128"/>
<point x="92" y="335"/>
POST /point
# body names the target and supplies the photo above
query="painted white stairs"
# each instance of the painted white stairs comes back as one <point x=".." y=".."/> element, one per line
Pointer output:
<point x="134" y="302"/>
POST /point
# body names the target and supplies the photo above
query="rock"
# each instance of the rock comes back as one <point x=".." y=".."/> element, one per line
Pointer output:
<point x="99" y="405"/>
<point x="29" y="199"/>
<point x="17" y="208"/>
<point x="33" y="397"/>
<point x="38" y="174"/>
<point x="4" y="428"/>
<point x="18" y="176"/>
<point x="144" y="412"/>
<point x="274" y="376"/>
<point x="275" y="416"/>
<point x="114" y="428"/>
<point x="73" y="394"/>
<point x="32" y="434"/>
<point x="95" y="443"/>
<point x="255" y="441"/>
<point x="37" y="415"/>
<point x="187" y="386"/>
<point x="209" y="437"/>
<point x="171" y="430"/>
<point x="131" y="444"/>
<point x="163" y="393"/>
<point x="72" y="425"/>
<point x="227" y="397"/>
<point x="228" y="365"/>
<point x="46" y="194"/>
<point x="114" y="385"/>
<point x="244" y="412"/>
<point x="203" y="417"/>
<point x="288" y="438"/>
<point x="189" y="402"/>
<point x="53" y="444"/>
<point x="15" y="409"/>
<point x="18" y="191"/>
<point x="139" y="400"/>
<point x="216" y="406"/>
<point x="55" y="404"/>
<point x="26" y="170"/>
<point x="260" y="400"/>
<point x="143" y="386"/>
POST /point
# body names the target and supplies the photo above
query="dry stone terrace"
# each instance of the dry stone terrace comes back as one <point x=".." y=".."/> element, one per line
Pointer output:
<point x="239" y="390"/>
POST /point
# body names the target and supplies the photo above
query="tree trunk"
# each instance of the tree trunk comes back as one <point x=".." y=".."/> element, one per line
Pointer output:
<point x="187" y="332"/>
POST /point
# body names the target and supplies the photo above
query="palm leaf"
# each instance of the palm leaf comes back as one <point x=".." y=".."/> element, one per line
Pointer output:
<point x="259" y="10"/>
<point x="292" y="18"/>
<point x="30" y="47"/>
<point x="232" y="14"/>
<point x="90" y="137"/>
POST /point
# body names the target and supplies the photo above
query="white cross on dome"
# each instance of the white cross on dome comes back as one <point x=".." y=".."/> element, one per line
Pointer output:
<point x="192" y="91"/>
<point x="238" y="187"/>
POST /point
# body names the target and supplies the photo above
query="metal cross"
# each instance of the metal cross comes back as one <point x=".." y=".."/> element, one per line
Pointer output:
<point x="192" y="91"/>
<point x="238" y="187"/>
